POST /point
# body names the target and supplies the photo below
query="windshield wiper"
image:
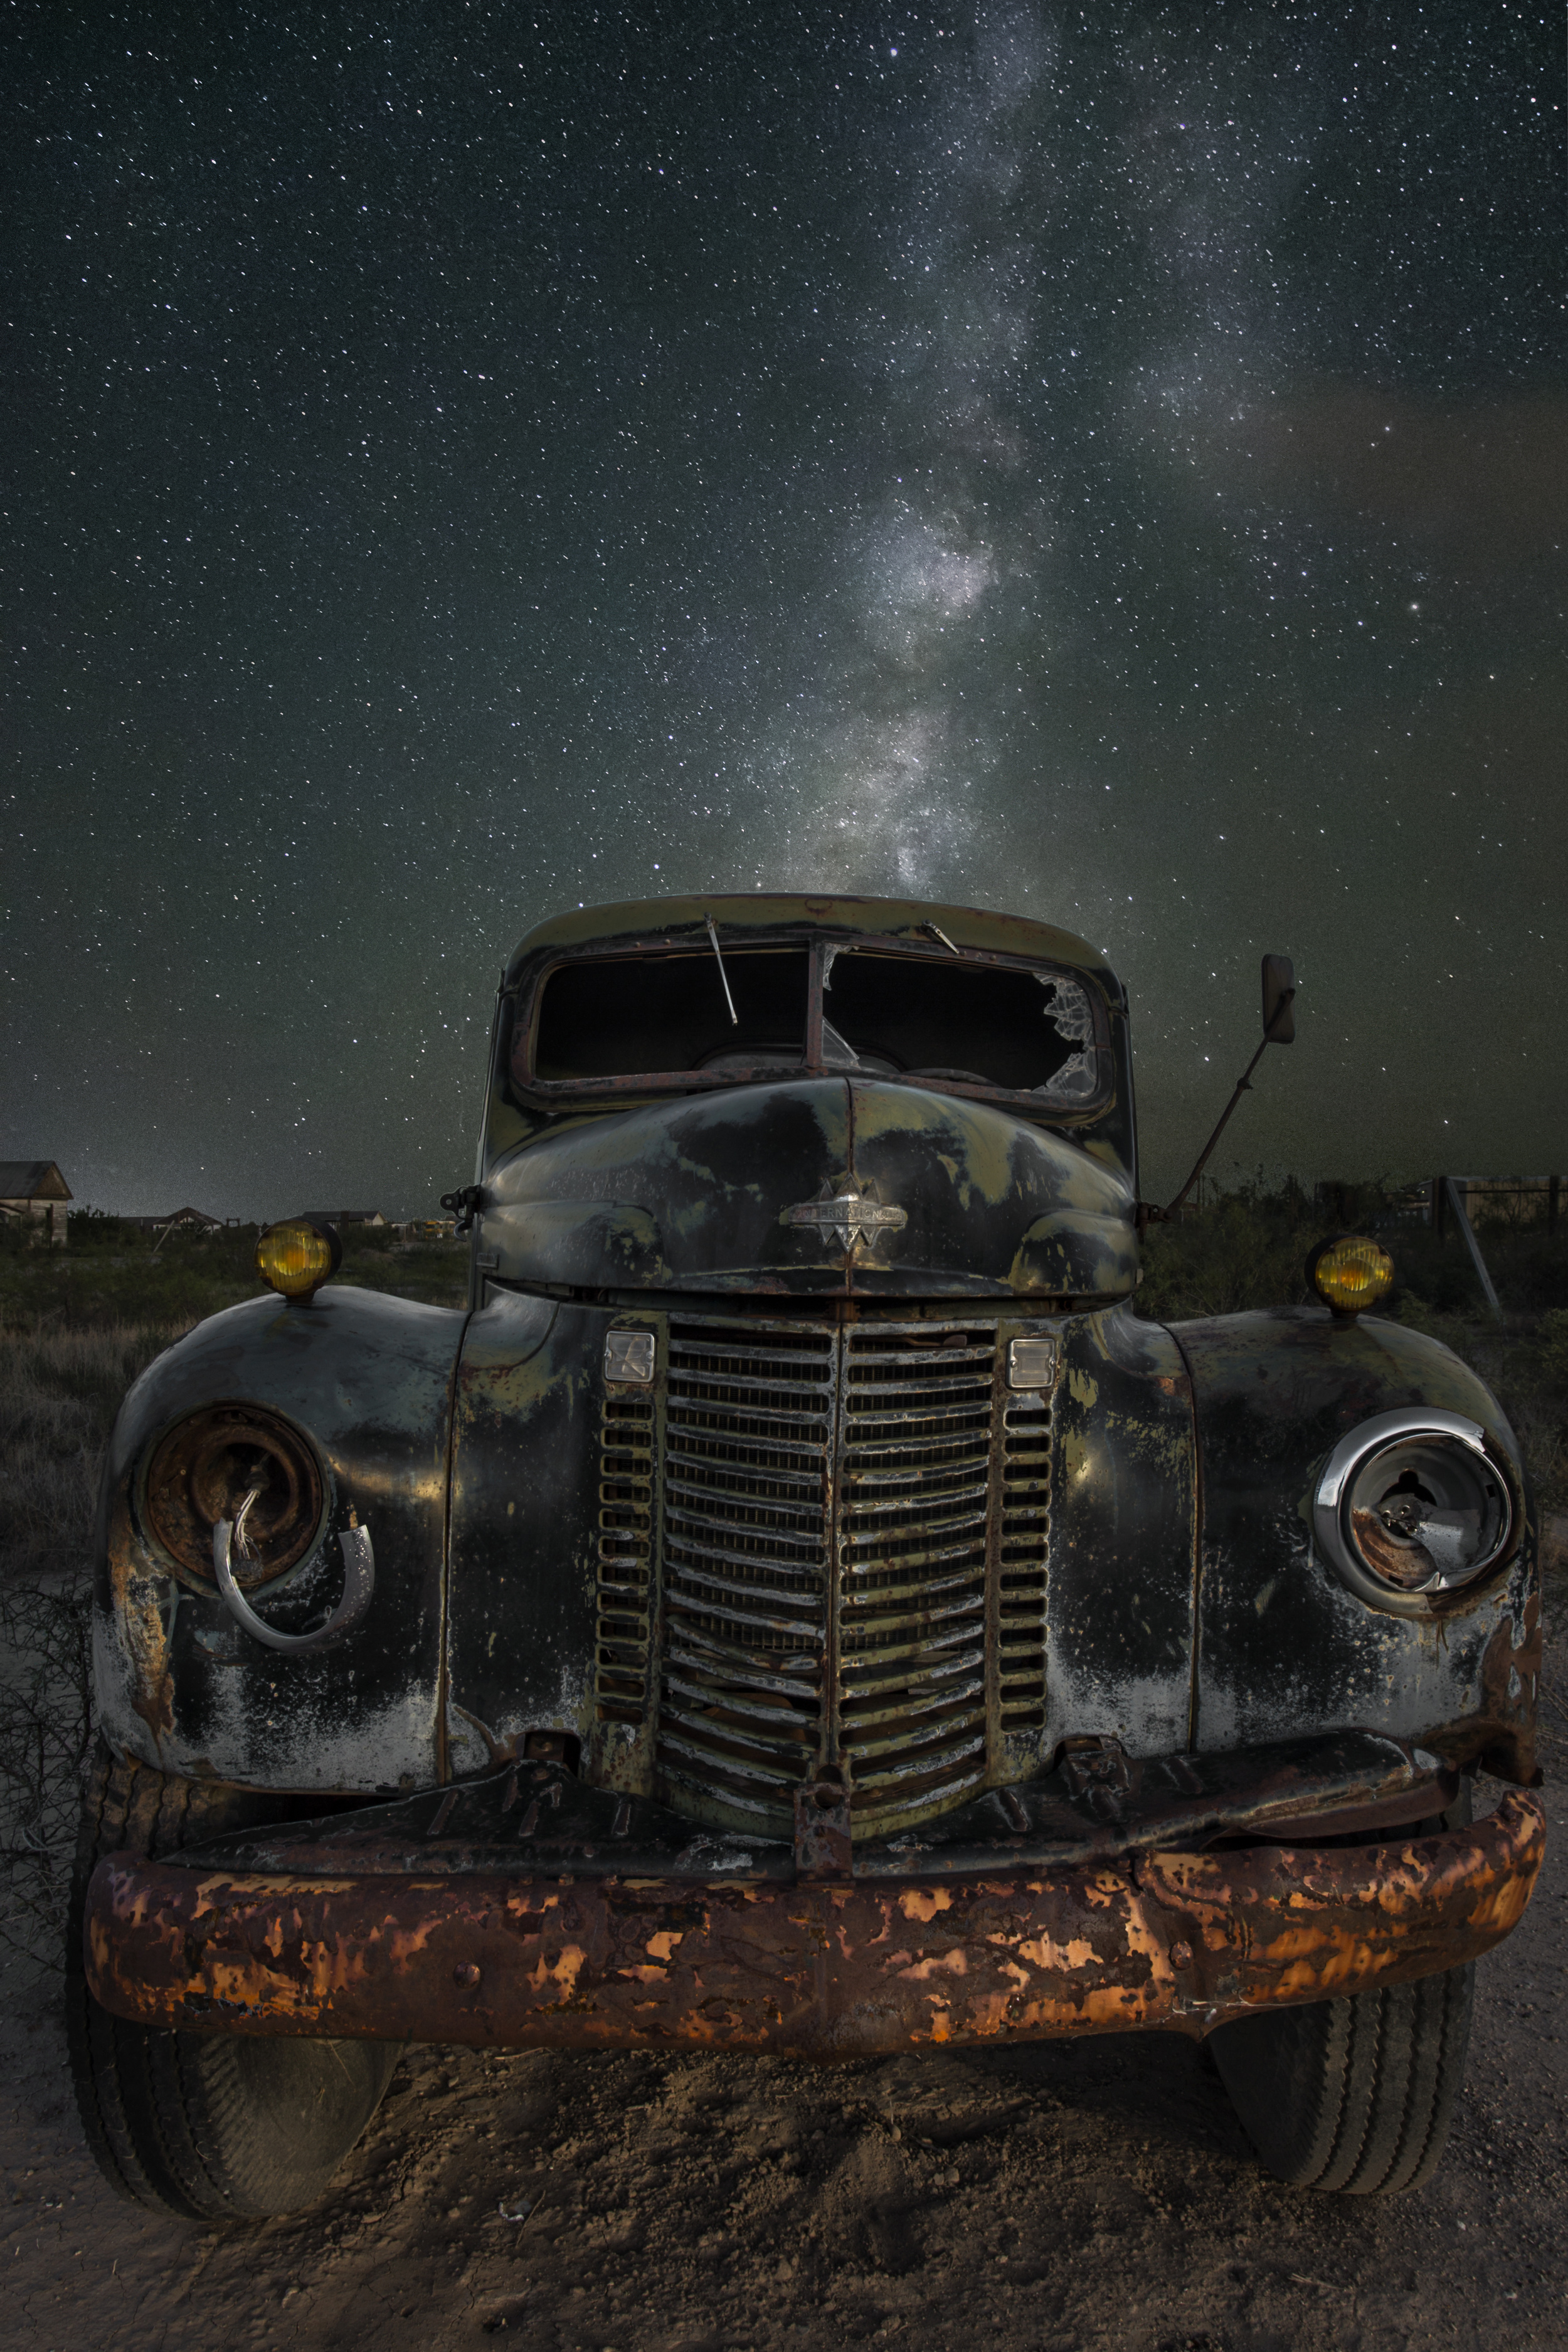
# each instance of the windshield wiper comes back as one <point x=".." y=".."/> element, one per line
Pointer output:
<point x="723" y="975"/>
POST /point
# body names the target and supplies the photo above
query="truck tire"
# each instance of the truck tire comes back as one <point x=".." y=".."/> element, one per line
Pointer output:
<point x="1354" y="2095"/>
<point x="210" y="2126"/>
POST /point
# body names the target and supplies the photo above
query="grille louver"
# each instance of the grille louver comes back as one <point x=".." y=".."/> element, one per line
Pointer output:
<point x="749" y="1421"/>
<point x="1021" y="1566"/>
<point x="915" y="1488"/>
<point x="852" y="1537"/>
<point x="625" y="1558"/>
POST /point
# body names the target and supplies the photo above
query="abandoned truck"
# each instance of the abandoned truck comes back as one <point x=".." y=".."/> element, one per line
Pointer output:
<point x="799" y="1606"/>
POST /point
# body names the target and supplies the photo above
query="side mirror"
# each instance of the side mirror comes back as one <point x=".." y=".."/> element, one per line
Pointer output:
<point x="1279" y="1001"/>
<point x="1278" y="1029"/>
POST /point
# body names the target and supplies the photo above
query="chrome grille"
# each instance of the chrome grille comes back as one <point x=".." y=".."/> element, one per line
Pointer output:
<point x="852" y="1541"/>
<point x="1021" y="1566"/>
<point x="749" y="1419"/>
<point x="625" y="1558"/>
<point x="914" y="1514"/>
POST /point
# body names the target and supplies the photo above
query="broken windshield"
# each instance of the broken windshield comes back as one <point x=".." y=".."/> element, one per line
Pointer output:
<point x="706" y="1017"/>
<point x="1022" y="1032"/>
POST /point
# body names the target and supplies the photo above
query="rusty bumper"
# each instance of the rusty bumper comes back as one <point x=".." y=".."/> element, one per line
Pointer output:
<point x="850" y="1969"/>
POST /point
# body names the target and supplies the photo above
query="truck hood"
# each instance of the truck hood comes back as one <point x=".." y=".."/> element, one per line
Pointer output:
<point x="816" y="1185"/>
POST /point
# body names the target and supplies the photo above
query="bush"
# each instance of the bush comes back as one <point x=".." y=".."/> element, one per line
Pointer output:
<point x="176" y="1278"/>
<point x="1249" y="1248"/>
<point x="96" y="1229"/>
<point x="1246" y="1248"/>
<point x="46" y="1732"/>
<point x="1552" y="1347"/>
<point x="59" y="1389"/>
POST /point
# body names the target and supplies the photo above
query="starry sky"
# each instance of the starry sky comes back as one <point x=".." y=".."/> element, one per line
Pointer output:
<point x="464" y="460"/>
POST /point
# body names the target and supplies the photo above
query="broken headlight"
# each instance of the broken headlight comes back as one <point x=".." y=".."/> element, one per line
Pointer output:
<point x="1411" y="1504"/>
<point x="239" y="1462"/>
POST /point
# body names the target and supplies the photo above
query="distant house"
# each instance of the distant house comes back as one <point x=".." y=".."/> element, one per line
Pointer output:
<point x="34" y="1190"/>
<point x="182" y="1221"/>
<point x="345" y="1216"/>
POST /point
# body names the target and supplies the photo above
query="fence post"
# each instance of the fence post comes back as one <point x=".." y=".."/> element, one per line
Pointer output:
<point x="1462" y="1219"/>
<point x="1553" y="1194"/>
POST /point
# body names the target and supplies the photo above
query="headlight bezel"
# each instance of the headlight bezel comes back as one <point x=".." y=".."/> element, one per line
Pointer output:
<point x="184" y="1457"/>
<point x="1335" y="1539"/>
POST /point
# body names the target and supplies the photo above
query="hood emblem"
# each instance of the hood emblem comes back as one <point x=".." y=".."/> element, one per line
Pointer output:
<point x="846" y="1215"/>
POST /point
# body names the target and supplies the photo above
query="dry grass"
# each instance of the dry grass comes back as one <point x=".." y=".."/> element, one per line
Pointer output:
<point x="59" y="1390"/>
<point x="1248" y="1249"/>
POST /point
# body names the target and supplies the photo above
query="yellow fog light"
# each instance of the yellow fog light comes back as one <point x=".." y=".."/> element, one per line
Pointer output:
<point x="298" y="1256"/>
<point x="1351" y="1273"/>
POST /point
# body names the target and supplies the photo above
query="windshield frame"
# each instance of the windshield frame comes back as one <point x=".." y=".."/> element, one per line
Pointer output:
<point x="562" y="1094"/>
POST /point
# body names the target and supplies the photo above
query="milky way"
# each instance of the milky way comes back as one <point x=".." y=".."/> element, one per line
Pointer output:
<point x="1110" y="464"/>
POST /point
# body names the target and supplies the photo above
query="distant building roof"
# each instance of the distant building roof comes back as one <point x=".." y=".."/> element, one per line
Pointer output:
<point x="32" y="1180"/>
<point x="345" y="1216"/>
<point x="186" y="1216"/>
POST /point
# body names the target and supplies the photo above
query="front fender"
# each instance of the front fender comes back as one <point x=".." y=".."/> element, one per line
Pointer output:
<point x="367" y="1380"/>
<point x="1282" y="1645"/>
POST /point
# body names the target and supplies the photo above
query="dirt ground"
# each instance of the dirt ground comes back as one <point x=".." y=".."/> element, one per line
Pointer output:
<point x="1059" y="2198"/>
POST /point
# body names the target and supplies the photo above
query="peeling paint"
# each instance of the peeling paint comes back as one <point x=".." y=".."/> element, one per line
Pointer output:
<point x="365" y="1379"/>
<point x="1275" y="1393"/>
<point x="991" y="1200"/>
<point x="1182" y="1940"/>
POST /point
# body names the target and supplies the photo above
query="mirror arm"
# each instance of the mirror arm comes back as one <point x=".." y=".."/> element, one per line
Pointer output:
<point x="1243" y="1085"/>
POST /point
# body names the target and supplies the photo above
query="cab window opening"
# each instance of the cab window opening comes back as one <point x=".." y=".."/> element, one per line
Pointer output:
<point x="1021" y="1032"/>
<point x="627" y="1016"/>
<point x="939" y="1019"/>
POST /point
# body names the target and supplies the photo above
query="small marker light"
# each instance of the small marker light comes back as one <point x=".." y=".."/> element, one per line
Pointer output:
<point x="297" y="1256"/>
<point x="1351" y="1273"/>
<point x="1032" y="1364"/>
<point x="629" y="1355"/>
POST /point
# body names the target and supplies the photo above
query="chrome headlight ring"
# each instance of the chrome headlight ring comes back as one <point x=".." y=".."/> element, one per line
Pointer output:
<point x="1413" y="1504"/>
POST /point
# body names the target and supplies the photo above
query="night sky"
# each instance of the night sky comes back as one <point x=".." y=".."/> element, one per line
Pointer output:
<point x="462" y="461"/>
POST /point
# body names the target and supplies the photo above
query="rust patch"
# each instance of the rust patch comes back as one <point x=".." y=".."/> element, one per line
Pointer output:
<point x="821" y="1970"/>
<point x="1510" y="1679"/>
<point x="1406" y="1566"/>
<point x="139" y="1624"/>
<point x="823" y="1847"/>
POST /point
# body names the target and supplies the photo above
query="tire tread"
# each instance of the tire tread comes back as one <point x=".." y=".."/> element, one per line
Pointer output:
<point x="172" y="2117"/>
<point x="1354" y="2096"/>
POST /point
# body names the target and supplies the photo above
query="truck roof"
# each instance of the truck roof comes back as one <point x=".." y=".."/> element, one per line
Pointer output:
<point x="654" y="921"/>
